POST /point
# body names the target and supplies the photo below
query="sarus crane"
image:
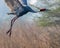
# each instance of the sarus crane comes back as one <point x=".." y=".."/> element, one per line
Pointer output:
<point x="18" y="8"/>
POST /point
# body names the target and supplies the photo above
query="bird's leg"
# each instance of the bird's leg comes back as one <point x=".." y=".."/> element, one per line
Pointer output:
<point x="12" y="22"/>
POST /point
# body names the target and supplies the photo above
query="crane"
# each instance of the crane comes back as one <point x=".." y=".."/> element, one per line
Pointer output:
<point x="18" y="8"/>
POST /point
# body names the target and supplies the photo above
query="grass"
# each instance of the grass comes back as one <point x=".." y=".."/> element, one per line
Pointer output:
<point x="44" y="21"/>
<point x="48" y="18"/>
<point x="31" y="37"/>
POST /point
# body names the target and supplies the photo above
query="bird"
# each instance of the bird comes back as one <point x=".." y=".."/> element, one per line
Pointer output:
<point x="18" y="8"/>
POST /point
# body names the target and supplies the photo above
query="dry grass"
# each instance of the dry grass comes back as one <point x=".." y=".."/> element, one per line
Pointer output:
<point x="31" y="36"/>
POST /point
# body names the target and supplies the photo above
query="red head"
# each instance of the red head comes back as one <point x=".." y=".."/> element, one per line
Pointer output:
<point x="43" y="9"/>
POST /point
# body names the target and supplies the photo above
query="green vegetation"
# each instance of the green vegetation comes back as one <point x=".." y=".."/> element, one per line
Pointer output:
<point x="49" y="18"/>
<point x="44" y="21"/>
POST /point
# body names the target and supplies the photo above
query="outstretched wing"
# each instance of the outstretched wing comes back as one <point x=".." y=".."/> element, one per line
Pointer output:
<point x="14" y="4"/>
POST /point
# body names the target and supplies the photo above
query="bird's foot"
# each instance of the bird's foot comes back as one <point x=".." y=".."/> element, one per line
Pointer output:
<point x="9" y="32"/>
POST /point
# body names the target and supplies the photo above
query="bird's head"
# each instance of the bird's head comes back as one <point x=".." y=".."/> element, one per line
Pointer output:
<point x="44" y="9"/>
<point x="40" y="9"/>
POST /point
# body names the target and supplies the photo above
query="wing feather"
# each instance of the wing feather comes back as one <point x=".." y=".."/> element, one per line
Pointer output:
<point x="24" y="2"/>
<point x="13" y="4"/>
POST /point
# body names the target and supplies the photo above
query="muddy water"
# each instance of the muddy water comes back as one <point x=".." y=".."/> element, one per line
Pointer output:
<point x="26" y="34"/>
